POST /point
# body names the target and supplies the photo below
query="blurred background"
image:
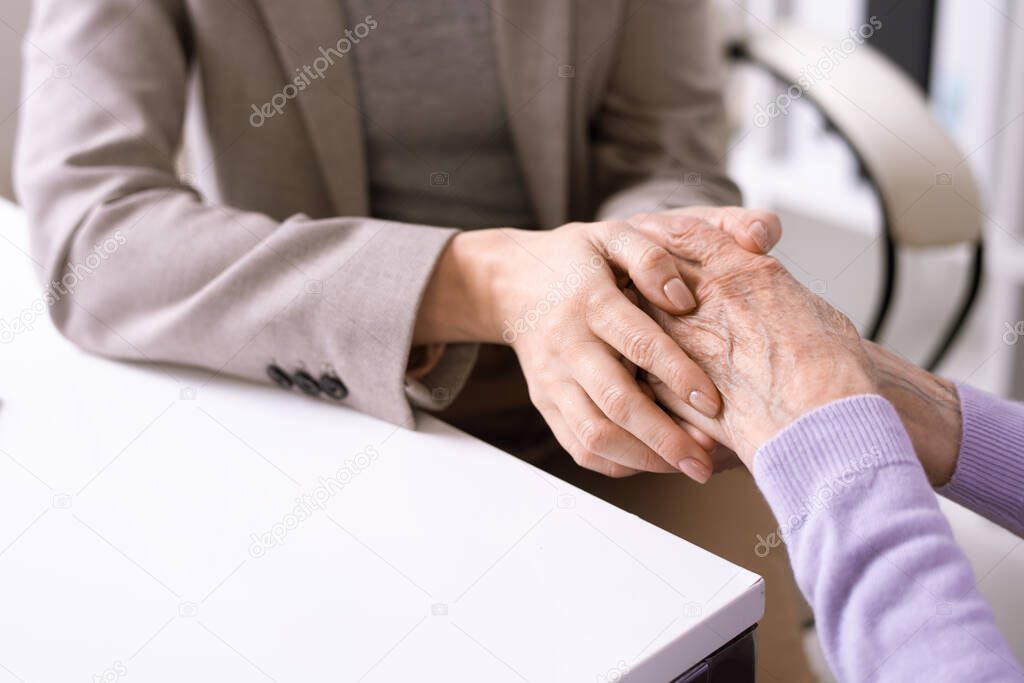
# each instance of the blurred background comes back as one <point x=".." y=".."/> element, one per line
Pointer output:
<point x="967" y="58"/>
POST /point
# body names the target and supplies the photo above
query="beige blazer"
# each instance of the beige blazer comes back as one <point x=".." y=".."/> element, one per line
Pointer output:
<point x="265" y="256"/>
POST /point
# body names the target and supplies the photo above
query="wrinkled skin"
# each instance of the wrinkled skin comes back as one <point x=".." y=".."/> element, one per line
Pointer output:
<point x="774" y="349"/>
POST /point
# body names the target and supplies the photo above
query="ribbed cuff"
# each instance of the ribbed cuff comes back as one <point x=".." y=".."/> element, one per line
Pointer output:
<point x="823" y="452"/>
<point x="989" y="475"/>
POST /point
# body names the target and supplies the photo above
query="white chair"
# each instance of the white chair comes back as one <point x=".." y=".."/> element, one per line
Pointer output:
<point x="928" y="196"/>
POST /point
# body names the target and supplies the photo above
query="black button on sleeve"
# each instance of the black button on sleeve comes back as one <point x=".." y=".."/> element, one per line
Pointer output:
<point x="333" y="387"/>
<point x="306" y="384"/>
<point x="279" y="377"/>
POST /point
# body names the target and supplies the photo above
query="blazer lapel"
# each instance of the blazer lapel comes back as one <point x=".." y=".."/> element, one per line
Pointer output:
<point x="534" y="44"/>
<point x="310" y="38"/>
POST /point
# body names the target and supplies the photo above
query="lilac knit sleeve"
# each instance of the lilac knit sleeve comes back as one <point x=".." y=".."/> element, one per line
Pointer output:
<point x="989" y="476"/>
<point x="893" y="595"/>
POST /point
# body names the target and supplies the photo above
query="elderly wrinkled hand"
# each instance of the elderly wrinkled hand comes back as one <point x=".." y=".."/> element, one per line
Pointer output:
<point x="774" y="349"/>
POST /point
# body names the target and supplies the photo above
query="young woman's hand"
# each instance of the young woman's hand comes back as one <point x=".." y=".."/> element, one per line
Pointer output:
<point x="557" y="298"/>
<point x="756" y="230"/>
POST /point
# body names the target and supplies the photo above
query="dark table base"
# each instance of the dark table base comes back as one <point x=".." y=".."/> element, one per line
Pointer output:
<point x="732" y="663"/>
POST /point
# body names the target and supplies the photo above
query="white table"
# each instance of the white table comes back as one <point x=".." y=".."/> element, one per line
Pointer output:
<point x="135" y="499"/>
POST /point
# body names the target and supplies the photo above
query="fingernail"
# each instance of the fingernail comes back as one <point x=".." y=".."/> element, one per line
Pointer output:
<point x="695" y="470"/>
<point x="759" y="233"/>
<point x="679" y="295"/>
<point x="704" y="405"/>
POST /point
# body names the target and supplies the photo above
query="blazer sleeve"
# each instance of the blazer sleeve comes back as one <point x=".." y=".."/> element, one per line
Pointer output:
<point x="137" y="265"/>
<point x="660" y="136"/>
